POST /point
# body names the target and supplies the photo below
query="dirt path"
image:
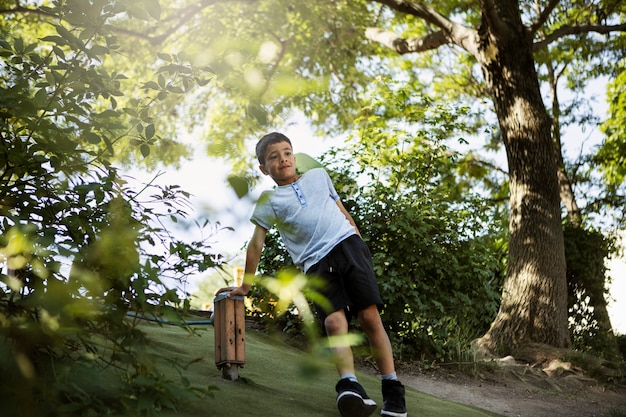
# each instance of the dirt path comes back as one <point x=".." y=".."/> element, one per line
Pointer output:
<point x="534" y="397"/>
<point x="523" y="391"/>
<point x="516" y="389"/>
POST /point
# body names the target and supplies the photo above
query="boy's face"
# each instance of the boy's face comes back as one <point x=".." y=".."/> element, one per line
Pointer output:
<point x="280" y="163"/>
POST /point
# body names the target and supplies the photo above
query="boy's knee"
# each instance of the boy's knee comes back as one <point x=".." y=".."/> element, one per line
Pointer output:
<point x="336" y="323"/>
<point x="369" y="317"/>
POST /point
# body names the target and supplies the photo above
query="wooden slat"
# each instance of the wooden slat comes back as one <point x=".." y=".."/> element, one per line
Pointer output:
<point x="240" y="332"/>
<point x="229" y="324"/>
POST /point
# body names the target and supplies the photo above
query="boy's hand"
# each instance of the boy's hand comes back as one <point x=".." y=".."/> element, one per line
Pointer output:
<point x="232" y="291"/>
<point x="238" y="291"/>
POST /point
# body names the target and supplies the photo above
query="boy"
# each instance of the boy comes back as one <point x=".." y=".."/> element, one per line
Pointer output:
<point x="323" y="240"/>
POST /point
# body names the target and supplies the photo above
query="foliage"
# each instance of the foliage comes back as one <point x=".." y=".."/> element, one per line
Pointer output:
<point x="269" y="59"/>
<point x="610" y="155"/>
<point x="585" y="252"/>
<point x="440" y="266"/>
<point x="274" y="260"/>
<point x="613" y="146"/>
<point x="81" y="247"/>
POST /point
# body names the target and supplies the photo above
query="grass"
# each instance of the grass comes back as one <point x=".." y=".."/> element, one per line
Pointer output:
<point x="277" y="380"/>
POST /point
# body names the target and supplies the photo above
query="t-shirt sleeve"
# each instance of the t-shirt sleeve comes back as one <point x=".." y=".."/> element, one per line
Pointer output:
<point x="331" y="188"/>
<point x="263" y="214"/>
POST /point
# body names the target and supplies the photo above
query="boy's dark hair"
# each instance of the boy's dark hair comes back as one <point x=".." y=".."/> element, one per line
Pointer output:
<point x="269" y="139"/>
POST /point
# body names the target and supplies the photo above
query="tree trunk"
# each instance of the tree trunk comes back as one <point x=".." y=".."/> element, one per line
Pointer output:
<point x="605" y="329"/>
<point x="565" y="185"/>
<point x="534" y="299"/>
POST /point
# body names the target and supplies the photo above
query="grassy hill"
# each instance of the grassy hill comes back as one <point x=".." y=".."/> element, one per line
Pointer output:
<point x="277" y="380"/>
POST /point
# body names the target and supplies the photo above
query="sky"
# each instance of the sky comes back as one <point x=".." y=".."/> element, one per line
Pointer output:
<point x="212" y="197"/>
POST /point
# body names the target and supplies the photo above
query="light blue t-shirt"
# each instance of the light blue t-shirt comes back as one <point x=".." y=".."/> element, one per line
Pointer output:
<point x="306" y="216"/>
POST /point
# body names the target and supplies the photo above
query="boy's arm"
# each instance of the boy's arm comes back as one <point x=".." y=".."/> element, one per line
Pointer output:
<point x="348" y="216"/>
<point x="253" y="256"/>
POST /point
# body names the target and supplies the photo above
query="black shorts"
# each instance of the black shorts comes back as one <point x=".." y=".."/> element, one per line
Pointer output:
<point x="348" y="277"/>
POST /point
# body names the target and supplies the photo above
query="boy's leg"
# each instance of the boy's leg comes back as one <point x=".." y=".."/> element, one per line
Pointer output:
<point x="393" y="391"/>
<point x="372" y="325"/>
<point x="336" y="325"/>
<point x="352" y="400"/>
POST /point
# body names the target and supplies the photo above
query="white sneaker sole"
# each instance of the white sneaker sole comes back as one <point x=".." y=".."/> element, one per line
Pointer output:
<point x="351" y="404"/>
<point x="386" y="413"/>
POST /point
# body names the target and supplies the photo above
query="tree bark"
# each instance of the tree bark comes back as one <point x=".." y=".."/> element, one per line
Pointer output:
<point x="534" y="299"/>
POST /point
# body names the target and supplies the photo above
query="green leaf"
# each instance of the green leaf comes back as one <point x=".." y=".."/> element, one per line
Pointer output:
<point x="151" y="85"/>
<point x="65" y="33"/>
<point x="92" y="138"/>
<point x="305" y="162"/>
<point x="239" y="185"/>
<point x="109" y="114"/>
<point x="99" y="50"/>
<point x="164" y="56"/>
<point x="87" y="33"/>
<point x="18" y="45"/>
<point x="149" y="131"/>
<point x="130" y="111"/>
<point x="41" y="98"/>
<point x="59" y="52"/>
<point x="59" y="40"/>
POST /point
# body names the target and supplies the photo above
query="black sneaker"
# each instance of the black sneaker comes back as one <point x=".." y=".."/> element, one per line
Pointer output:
<point x="393" y="399"/>
<point x="352" y="401"/>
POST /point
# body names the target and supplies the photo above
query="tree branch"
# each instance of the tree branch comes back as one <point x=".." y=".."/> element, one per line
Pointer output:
<point x="543" y="17"/>
<point x="405" y="46"/>
<point x="25" y="10"/>
<point x="418" y="9"/>
<point x="179" y="18"/>
<point x="576" y="30"/>
<point x="472" y="159"/>
<point x="450" y="32"/>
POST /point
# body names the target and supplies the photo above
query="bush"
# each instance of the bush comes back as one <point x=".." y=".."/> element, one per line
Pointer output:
<point x="79" y="246"/>
<point x="589" y="322"/>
